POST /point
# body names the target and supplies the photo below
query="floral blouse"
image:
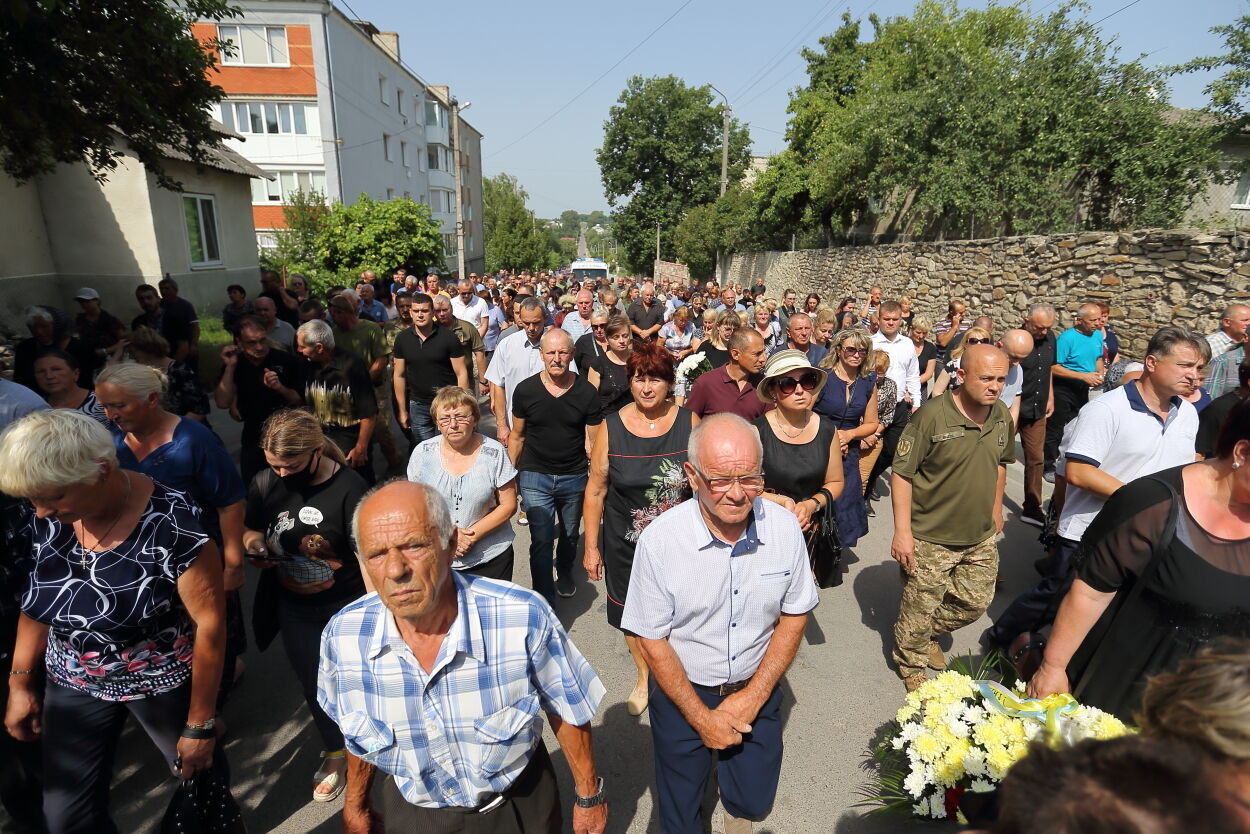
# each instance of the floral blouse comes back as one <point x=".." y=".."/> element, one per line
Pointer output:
<point x="117" y="629"/>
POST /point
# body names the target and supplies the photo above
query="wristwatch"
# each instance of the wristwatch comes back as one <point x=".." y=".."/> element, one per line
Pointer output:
<point x="591" y="801"/>
<point x="203" y="730"/>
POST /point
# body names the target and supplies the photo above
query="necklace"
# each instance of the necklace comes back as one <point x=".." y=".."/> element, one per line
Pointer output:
<point x="650" y="422"/>
<point x="781" y="420"/>
<point x="82" y="559"/>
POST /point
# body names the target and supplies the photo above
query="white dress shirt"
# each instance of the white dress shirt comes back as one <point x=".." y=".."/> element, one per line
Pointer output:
<point x="904" y="367"/>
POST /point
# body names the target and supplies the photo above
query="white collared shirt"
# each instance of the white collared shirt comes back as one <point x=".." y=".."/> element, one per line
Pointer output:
<point x="904" y="367"/>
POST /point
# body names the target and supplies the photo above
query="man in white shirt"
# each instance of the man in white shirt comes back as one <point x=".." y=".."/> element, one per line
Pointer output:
<point x="517" y="357"/>
<point x="471" y="308"/>
<point x="905" y="371"/>
<point x="1136" y="430"/>
<point x="577" y="322"/>
<point x="1017" y="344"/>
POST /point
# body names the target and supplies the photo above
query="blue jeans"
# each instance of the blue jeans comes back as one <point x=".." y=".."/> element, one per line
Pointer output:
<point x="420" y="421"/>
<point x="552" y="500"/>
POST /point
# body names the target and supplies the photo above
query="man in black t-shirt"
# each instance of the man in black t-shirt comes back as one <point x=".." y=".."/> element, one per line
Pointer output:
<point x="285" y="304"/>
<point x="339" y="393"/>
<point x="256" y="380"/>
<point x="171" y="323"/>
<point x="646" y="315"/>
<point x="551" y="414"/>
<point x="426" y="357"/>
<point x="184" y="310"/>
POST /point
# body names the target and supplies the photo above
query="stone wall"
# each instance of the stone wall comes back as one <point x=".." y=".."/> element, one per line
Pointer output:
<point x="1150" y="278"/>
<point x="667" y="269"/>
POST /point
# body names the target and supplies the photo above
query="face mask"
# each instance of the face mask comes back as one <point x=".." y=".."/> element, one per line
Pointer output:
<point x="302" y="480"/>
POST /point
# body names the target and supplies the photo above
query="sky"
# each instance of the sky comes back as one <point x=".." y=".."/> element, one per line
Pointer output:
<point x="530" y="68"/>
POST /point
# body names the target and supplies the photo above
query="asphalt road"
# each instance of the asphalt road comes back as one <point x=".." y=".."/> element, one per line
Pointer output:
<point x="839" y="691"/>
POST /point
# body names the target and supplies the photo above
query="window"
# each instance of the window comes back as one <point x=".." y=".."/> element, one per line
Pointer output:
<point x="1241" y="192"/>
<point x="438" y="157"/>
<point x="390" y="194"/>
<point x="254" y="45"/>
<point x="251" y="117"/>
<point x="382" y="91"/>
<point x="449" y="243"/>
<point x="278" y="191"/>
<point x="386" y="146"/>
<point x="435" y="114"/>
<point x="403" y="153"/>
<point x="200" y="215"/>
<point x="399" y="101"/>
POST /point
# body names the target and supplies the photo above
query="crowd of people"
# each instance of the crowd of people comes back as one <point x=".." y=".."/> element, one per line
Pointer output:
<point x="381" y="514"/>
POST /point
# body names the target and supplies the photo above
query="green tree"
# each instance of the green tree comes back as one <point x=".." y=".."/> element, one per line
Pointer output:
<point x="1229" y="93"/>
<point x="295" y="247"/>
<point x="377" y="234"/>
<point x="727" y="225"/>
<point x="570" y="223"/>
<point x="80" y="72"/>
<point x="660" y="158"/>
<point x="514" y="240"/>
<point x="976" y="122"/>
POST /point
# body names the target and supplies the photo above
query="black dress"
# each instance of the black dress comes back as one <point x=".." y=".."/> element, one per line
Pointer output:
<point x="1199" y="590"/>
<point x="796" y="470"/>
<point x="715" y="355"/>
<point x="645" y="478"/>
<point x="614" y="393"/>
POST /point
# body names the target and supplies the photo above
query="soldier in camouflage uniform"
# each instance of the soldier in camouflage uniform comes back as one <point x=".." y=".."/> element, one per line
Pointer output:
<point x="950" y="471"/>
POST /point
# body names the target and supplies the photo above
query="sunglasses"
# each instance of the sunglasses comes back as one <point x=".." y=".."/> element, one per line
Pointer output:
<point x="855" y="350"/>
<point x="977" y="341"/>
<point x="788" y="384"/>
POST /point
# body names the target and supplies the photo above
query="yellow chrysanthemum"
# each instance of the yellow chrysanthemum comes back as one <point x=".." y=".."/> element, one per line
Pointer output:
<point x="988" y="735"/>
<point x="1108" y="726"/>
<point x="928" y="747"/>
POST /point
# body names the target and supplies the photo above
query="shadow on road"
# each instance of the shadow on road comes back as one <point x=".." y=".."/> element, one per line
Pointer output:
<point x="623" y="758"/>
<point x="877" y="589"/>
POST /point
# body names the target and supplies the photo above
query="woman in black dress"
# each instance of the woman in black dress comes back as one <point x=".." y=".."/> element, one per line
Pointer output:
<point x="636" y="473"/>
<point x="608" y="374"/>
<point x="802" y="452"/>
<point x="1144" y="598"/>
<point x="716" y="344"/>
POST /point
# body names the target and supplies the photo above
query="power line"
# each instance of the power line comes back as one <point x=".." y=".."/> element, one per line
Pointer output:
<point x="758" y="75"/>
<point x="1116" y="12"/>
<point x="586" y="89"/>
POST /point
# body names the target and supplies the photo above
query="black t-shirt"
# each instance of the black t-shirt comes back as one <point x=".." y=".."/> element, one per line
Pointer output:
<point x="289" y="518"/>
<point x="171" y="323"/>
<point x="284" y="312"/>
<point x="715" y="355"/>
<point x="427" y="364"/>
<point x="256" y="401"/>
<point x="585" y="351"/>
<point x="1211" y="419"/>
<point x="340" y="395"/>
<point x="555" y="427"/>
<point x="644" y="317"/>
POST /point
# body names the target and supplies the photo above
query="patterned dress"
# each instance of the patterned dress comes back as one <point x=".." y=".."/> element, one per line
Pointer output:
<point x="645" y="478"/>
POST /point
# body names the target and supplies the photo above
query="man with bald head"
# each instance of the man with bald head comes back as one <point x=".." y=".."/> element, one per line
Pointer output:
<point x="491" y="655"/>
<point x="1017" y="344"/>
<point x="553" y="412"/>
<point x="719" y="597"/>
<point x="1234" y="322"/>
<point x="731" y="387"/>
<point x="1037" y="401"/>
<point x="950" y="470"/>
<point x="577" y="323"/>
<point x="1228" y="350"/>
<point x="1078" y="367"/>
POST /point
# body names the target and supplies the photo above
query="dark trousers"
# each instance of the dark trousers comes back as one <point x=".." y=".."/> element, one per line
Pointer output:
<point x="1033" y="441"/>
<point x="531" y="806"/>
<point x="251" y="456"/>
<point x="420" y="422"/>
<point x="80" y="735"/>
<point x="301" y="627"/>
<point x="747" y="774"/>
<point x="1036" y="608"/>
<point x="553" y="504"/>
<point x="1070" y="396"/>
<point x="498" y="568"/>
<point x="889" y="443"/>
<point x="346" y="439"/>
<point x="21" y="791"/>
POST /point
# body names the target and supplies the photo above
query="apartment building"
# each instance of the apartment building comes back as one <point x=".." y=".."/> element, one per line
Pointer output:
<point x="324" y="102"/>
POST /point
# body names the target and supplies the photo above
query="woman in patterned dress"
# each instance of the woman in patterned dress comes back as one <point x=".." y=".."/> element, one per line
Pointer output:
<point x="635" y="474"/>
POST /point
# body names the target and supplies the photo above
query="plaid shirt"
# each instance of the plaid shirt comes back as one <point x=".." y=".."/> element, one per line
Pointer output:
<point x="466" y="730"/>
<point x="1222" y="373"/>
<point x="1220" y="343"/>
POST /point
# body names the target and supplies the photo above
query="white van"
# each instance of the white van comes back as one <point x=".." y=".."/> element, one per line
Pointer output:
<point x="589" y="269"/>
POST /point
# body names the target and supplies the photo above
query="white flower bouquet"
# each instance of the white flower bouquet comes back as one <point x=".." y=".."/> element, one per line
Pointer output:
<point x="956" y="733"/>
<point x="688" y="370"/>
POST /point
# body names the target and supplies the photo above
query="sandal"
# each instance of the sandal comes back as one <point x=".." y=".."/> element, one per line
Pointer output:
<point x="336" y="780"/>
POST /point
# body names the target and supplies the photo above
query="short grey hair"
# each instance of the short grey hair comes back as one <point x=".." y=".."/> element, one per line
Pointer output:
<point x="1042" y="307"/>
<point x="530" y="303"/>
<point x="53" y="449"/>
<point x="350" y="295"/>
<point x="437" y="515"/>
<point x="135" y="378"/>
<point x="317" y="332"/>
<point x="715" y="422"/>
<point x="37" y="314"/>
<point x="1168" y="339"/>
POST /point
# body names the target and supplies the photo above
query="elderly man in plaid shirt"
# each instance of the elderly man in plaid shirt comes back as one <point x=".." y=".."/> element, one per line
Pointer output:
<point x="438" y="679"/>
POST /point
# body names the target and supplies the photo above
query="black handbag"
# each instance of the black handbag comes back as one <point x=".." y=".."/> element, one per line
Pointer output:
<point x="824" y="546"/>
<point x="203" y="804"/>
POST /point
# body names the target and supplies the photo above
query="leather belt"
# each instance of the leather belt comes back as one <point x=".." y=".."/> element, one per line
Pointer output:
<point x="724" y="688"/>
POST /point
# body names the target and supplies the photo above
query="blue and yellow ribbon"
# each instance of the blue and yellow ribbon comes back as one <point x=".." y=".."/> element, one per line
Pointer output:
<point x="1045" y="710"/>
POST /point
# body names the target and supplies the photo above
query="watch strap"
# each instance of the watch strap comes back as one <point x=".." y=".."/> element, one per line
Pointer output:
<point x="591" y="801"/>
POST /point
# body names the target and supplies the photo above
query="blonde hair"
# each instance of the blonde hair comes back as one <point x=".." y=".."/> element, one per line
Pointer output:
<point x="292" y="432"/>
<point x="1206" y="701"/>
<point x="971" y="333"/>
<point x="879" y="361"/>
<point x="825" y="316"/>
<point x="147" y="340"/>
<point x="682" y="312"/>
<point x="135" y="378"/>
<point x="52" y="449"/>
<point x="923" y="322"/>
<point x="453" y="396"/>
<point x="725" y="316"/>
<point x="860" y="337"/>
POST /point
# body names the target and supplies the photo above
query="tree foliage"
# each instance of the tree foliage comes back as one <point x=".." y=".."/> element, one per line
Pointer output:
<point x="975" y="122"/>
<point x="377" y="234"/>
<point x="513" y="239"/>
<point x="295" y="248"/>
<point x="80" y="72"/>
<point x="661" y="157"/>
<point x="727" y="225"/>
<point x="1230" y="92"/>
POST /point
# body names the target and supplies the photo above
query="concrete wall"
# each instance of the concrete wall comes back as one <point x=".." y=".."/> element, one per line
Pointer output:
<point x="1150" y="278"/>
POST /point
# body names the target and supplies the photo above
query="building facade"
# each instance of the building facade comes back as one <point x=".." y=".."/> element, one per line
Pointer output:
<point x="325" y="103"/>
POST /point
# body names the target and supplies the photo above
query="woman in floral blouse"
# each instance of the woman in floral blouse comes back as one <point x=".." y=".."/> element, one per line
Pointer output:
<point x="122" y="612"/>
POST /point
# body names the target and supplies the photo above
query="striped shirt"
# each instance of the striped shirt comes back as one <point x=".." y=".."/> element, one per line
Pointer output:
<point x="716" y="603"/>
<point x="464" y="731"/>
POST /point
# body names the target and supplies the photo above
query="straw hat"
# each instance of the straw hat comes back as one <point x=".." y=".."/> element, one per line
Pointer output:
<point x="781" y="363"/>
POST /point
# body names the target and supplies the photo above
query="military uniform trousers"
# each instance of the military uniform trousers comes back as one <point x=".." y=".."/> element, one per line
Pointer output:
<point x="950" y="588"/>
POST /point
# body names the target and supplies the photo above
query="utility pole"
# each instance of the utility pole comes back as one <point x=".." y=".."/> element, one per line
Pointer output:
<point x="657" y="240"/>
<point x="726" y="112"/>
<point x="455" y="161"/>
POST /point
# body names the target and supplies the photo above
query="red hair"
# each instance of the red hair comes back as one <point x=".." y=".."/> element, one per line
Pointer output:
<point x="651" y="359"/>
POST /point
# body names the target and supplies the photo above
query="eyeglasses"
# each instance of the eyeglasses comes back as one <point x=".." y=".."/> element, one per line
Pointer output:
<point x="749" y="483"/>
<point x="788" y="384"/>
<point x="977" y="341"/>
<point x="858" y="351"/>
<point x="598" y="326"/>
<point x="455" y="419"/>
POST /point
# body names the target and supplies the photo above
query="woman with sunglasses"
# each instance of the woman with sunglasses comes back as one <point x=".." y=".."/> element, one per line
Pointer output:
<point x="802" y="452"/>
<point x="849" y="401"/>
<point x="298" y="530"/>
<point x="608" y="374"/>
<point x="946" y="377"/>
